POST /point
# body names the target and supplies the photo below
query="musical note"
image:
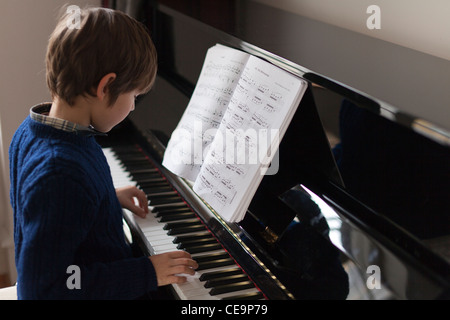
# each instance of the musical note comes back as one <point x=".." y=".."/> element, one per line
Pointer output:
<point x="257" y="100"/>
<point x="220" y="196"/>
<point x="237" y="97"/>
<point x="270" y="108"/>
<point x="263" y="88"/>
<point x="242" y="90"/>
<point x="236" y="169"/>
<point x="260" y="120"/>
<point x="276" y="96"/>
<point x="206" y="183"/>
<point x="237" y="118"/>
<point x="228" y="183"/>
<point x="213" y="172"/>
<point x="243" y="107"/>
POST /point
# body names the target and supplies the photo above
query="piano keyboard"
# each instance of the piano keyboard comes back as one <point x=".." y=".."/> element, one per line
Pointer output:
<point x="171" y="225"/>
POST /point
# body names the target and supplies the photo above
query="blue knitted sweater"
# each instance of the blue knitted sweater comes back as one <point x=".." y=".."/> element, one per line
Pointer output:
<point x="66" y="213"/>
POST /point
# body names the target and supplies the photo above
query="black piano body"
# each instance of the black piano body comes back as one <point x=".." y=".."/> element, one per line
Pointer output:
<point x="359" y="207"/>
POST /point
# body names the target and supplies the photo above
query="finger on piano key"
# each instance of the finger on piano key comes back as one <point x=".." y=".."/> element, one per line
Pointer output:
<point x="194" y="289"/>
<point x="156" y="235"/>
<point x="164" y="248"/>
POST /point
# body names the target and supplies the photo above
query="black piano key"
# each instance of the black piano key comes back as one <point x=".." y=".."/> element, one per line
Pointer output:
<point x="143" y="170"/>
<point x="213" y="260"/>
<point x="144" y="176"/>
<point x="203" y="248"/>
<point x="132" y="157"/>
<point x="163" y="194"/>
<point x="206" y="239"/>
<point x="177" y="216"/>
<point x="192" y="237"/>
<point x="212" y="257"/>
<point x="152" y="180"/>
<point x="226" y="288"/>
<point x="135" y="169"/>
<point x="152" y="183"/>
<point x="129" y="155"/>
<point x="219" y="274"/>
<point x="196" y="228"/>
<point x="133" y="163"/>
<point x="214" y="263"/>
<point x="226" y="280"/>
<point x="246" y="296"/>
<point x="163" y="200"/>
<point x="164" y="206"/>
<point x="171" y="208"/>
<point x="180" y="210"/>
<point x="154" y="188"/>
<point x="166" y="194"/>
<point x="182" y="224"/>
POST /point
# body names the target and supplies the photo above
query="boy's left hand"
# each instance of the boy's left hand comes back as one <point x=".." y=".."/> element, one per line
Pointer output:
<point x="127" y="196"/>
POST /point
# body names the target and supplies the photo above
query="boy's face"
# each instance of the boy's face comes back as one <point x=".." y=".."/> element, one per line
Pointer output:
<point x="105" y="117"/>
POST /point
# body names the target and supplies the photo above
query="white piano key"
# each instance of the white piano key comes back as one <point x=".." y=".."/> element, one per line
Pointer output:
<point x="154" y="234"/>
<point x="160" y="242"/>
<point x="165" y="247"/>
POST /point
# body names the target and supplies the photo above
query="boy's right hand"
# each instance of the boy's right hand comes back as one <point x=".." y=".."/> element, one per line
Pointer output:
<point x="170" y="265"/>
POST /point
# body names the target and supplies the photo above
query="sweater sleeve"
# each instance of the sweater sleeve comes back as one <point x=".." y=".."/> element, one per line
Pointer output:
<point x="57" y="218"/>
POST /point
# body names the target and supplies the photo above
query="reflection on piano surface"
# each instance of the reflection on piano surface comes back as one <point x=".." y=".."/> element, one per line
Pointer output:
<point x="378" y="197"/>
<point x="395" y="171"/>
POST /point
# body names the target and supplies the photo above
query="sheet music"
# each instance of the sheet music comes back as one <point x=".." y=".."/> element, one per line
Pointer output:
<point x="258" y="109"/>
<point x="233" y="124"/>
<point x="191" y="140"/>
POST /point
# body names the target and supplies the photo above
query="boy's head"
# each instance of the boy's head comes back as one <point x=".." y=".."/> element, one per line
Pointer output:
<point x="106" y="41"/>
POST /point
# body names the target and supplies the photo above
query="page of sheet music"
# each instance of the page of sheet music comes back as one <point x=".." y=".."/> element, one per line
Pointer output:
<point x="191" y="140"/>
<point x="256" y="118"/>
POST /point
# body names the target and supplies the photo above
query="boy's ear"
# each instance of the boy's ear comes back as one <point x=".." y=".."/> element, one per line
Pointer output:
<point x="102" y="88"/>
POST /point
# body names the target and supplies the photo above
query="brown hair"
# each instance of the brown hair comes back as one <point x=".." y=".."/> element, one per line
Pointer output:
<point x="106" y="41"/>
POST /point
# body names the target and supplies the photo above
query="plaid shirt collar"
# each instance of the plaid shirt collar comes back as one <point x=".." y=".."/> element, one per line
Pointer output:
<point x="40" y="112"/>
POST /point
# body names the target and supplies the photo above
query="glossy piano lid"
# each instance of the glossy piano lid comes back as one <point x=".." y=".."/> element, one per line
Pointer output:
<point x="409" y="86"/>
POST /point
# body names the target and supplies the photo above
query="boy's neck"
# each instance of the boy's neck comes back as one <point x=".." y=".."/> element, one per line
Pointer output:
<point x="79" y="113"/>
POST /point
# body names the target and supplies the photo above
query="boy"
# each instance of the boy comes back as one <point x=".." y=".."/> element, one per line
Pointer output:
<point x="66" y="211"/>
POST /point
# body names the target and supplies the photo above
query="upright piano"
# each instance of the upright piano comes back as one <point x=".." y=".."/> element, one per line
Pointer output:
<point x="360" y="205"/>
